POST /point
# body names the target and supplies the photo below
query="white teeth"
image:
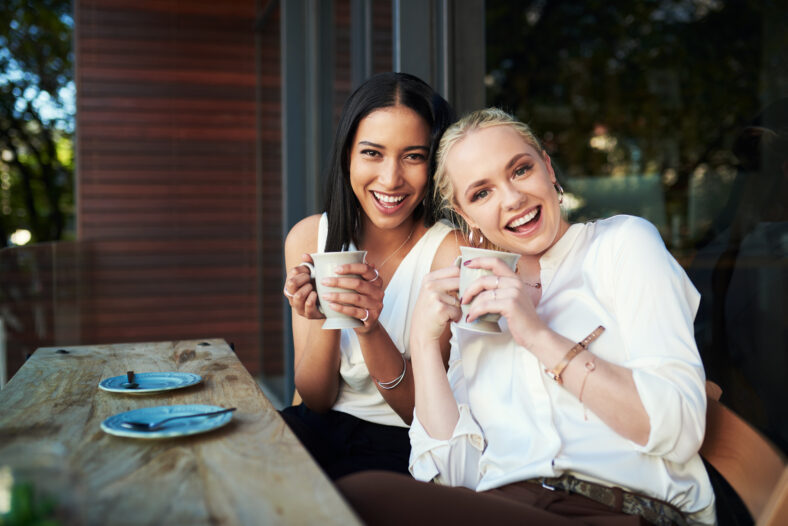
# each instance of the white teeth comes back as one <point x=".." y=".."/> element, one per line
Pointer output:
<point x="523" y="220"/>
<point x="388" y="199"/>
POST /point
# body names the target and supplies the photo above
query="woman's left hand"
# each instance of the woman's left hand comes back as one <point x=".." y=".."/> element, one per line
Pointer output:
<point x="504" y="293"/>
<point x="364" y="299"/>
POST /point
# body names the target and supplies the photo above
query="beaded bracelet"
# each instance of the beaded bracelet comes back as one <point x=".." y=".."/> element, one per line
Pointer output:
<point x="555" y="373"/>
<point x="394" y="383"/>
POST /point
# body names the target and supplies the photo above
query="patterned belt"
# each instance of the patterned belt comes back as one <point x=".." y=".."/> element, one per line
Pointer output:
<point x="653" y="510"/>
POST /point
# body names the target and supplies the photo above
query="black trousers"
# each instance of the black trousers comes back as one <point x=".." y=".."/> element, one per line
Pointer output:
<point x="343" y="444"/>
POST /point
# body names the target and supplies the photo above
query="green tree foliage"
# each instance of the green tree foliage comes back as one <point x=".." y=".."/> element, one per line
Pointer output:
<point x="619" y="88"/>
<point x="36" y="122"/>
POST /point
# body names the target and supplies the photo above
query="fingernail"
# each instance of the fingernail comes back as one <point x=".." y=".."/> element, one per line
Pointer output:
<point x="467" y="316"/>
<point x="467" y="262"/>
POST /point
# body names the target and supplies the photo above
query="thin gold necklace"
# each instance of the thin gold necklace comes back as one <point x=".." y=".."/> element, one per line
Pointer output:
<point x="380" y="267"/>
<point x="534" y="284"/>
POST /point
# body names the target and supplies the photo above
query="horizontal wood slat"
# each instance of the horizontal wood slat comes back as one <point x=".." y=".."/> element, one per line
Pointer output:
<point x="175" y="228"/>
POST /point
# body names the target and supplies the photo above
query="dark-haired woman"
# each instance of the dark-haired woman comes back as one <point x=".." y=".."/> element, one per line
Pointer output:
<point x="356" y="384"/>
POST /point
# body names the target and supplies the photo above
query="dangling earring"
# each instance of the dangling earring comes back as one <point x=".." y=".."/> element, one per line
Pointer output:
<point x="560" y="190"/>
<point x="470" y="239"/>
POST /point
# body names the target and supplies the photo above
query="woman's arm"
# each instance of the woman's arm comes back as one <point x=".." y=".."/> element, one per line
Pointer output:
<point x="611" y="393"/>
<point x="316" y="351"/>
<point x="437" y="306"/>
<point x="655" y="395"/>
<point x="384" y="360"/>
<point x="447" y="443"/>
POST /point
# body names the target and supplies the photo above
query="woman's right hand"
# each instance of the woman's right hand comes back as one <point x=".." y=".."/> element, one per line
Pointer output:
<point x="436" y="306"/>
<point x="300" y="291"/>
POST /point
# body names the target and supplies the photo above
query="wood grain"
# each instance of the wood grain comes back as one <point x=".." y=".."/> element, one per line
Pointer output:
<point x="252" y="471"/>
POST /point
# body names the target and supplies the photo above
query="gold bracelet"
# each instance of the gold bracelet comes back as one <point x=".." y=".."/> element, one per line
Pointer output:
<point x="555" y="373"/>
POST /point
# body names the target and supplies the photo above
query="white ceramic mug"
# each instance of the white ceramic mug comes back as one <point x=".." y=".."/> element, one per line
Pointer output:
<point x="324" y="266"/>
<point x="487" y="322"/>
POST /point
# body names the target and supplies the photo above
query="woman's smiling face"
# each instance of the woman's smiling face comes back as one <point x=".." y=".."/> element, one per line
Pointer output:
<point x="505" y="187"/>
<point x="389" y="164"/>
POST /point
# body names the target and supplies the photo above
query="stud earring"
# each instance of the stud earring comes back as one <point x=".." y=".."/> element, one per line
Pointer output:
<point x="560" y="190"/>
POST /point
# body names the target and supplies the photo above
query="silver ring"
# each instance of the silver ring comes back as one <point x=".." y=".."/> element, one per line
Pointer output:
<point x="377" y="275"/>
<point x="366" y="316"/>
<point x="287" y="293"/>
<point x="497" y="281"/>
<point x="494" y="295"/>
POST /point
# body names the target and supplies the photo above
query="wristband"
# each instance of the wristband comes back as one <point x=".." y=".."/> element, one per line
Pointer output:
<point x="555" y="372"/>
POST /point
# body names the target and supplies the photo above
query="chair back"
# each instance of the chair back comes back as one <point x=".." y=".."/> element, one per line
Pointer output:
<point x="752" y="465"/>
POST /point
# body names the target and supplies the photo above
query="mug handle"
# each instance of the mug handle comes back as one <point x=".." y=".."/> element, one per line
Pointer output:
<point x="311" y="268"/>
<point x="457" y="261"/>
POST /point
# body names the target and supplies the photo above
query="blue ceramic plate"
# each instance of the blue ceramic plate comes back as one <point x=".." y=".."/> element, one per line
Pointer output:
<point x="173" y="428"/>
<point x="150" y="382"/>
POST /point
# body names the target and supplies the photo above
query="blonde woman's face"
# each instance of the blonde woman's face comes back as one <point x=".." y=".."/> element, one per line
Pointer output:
<point x="505" y="187"/>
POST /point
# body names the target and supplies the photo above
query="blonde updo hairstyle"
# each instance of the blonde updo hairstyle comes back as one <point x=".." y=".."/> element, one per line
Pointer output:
<point x="478" y="120"/>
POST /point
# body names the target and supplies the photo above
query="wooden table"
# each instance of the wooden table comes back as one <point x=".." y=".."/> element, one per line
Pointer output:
<point x="252" y="471"/>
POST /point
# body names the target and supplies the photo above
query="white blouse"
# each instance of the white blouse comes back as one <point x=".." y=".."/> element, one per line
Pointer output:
<point x="516" y="423"/>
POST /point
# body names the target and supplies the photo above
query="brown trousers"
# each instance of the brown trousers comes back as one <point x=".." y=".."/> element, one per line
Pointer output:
<point x="383" y="498"/>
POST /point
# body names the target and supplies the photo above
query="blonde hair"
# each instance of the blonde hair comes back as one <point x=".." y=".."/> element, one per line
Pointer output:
<point x="478" y="120"/>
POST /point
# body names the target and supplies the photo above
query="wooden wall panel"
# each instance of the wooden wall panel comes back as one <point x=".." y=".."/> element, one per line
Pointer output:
<point x="180" y="239"/>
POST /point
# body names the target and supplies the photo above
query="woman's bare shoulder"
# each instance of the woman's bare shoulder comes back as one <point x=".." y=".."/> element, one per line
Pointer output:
<point x="303" y="236"/>
<point x="448" y="250"/>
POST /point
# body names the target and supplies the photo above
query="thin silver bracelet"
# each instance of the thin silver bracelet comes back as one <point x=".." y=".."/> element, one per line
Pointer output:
<point x="394" y="383"/>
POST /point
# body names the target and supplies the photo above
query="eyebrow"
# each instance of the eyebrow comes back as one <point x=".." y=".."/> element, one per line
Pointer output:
<point x="381" y="147"/>
<point x="516" y="158"/>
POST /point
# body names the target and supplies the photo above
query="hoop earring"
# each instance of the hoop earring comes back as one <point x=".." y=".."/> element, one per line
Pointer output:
<point x="560" y="190"/>
<point x="470" y="239"/>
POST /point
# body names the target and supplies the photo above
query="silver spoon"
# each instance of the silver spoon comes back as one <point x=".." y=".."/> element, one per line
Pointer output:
<point x="153" y="426"/>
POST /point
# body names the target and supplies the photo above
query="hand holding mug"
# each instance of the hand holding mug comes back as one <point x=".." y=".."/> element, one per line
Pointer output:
<point x="502" y="293"/>
<point x="300" y="291"/>
<point x="436" y="306"/>
<point x="356" y="290"/>
<point x="347" y="291"/>
<point x="476" y="266"/>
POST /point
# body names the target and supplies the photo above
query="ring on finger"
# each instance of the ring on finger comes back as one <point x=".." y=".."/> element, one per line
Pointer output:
<point x="286" y="292"/>
<point x="366" y="314"/>
<point x="497" y="281"/>
<point x="377" y="275"/>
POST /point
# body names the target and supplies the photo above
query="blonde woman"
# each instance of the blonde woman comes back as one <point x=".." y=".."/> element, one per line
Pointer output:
<point x="589" y="407"/>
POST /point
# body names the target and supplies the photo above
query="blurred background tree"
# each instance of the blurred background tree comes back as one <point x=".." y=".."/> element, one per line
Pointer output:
<point x="36" y="121"/>
<point x="618" y="88"/>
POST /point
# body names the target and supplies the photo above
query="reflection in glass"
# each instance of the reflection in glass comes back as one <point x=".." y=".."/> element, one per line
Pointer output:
<point x="647" y="109"/>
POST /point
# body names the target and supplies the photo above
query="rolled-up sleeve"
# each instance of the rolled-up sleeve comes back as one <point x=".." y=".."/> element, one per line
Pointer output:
<point x="455" y="461"/>
<point x="452" y="462"/>
<point x="676" y="413"/>
<point x="656" y="304"/>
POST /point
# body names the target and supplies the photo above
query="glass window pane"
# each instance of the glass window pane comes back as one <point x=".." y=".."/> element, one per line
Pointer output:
<point x="674" y="111"/>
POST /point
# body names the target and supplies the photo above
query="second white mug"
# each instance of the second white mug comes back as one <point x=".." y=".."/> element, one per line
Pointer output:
<point x="487" y="322"/>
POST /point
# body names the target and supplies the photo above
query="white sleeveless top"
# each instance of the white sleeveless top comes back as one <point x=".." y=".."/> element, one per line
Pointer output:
<point x="358" y="395"/>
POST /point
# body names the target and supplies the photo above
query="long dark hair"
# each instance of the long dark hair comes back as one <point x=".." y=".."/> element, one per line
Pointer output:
<point x="380" y="91"/>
